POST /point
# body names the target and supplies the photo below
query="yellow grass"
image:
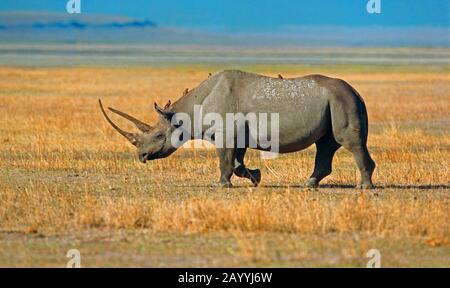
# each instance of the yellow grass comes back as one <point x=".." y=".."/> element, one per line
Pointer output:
<point x="64" y="171"/>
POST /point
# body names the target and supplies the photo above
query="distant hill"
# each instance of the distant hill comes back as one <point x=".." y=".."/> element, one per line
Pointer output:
<point x="45" y="28"/>
<point x="31" y="28"/>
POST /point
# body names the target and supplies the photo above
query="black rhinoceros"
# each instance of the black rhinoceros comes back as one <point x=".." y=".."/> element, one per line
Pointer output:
<point x="311" y="109"/>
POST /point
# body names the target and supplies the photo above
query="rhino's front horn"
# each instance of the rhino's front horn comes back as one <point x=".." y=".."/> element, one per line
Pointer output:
<point x="132" y="137"/>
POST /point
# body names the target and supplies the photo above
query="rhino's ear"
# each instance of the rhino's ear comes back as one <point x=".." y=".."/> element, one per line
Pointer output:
<point x="167" y="106"/>
<point x="167" y="114"/>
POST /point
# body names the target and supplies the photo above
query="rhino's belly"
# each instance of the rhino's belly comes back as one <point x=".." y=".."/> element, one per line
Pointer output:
<point x="294" y="133"/>
<point x="300" y="128"/>
<point x="298" y="142"/>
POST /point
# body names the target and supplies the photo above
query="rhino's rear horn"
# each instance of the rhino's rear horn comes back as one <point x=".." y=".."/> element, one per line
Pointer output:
<point x="132" y="137"/>
<point x="138" y="123"/>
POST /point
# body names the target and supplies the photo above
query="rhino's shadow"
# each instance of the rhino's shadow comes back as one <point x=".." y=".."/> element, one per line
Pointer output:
<point x="381" y="187"/>
<point x="334" y="186"/>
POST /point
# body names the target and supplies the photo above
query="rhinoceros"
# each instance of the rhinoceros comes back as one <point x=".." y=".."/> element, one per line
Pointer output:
<point x="311" y="109"/>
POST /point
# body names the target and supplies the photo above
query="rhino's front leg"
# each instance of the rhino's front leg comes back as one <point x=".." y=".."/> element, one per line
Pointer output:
<point x="241" y="171"/>
<point x="226" y="157"/>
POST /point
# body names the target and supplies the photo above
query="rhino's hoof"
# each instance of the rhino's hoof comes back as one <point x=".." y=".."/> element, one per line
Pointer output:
<point x="365" y="186"/>
<point x="221" y="184"/>
<point x="256" y="176"/>
<point x="312" y="183"/>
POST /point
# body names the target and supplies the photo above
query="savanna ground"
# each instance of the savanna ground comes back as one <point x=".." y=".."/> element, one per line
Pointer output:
<point x="67" y="180"/>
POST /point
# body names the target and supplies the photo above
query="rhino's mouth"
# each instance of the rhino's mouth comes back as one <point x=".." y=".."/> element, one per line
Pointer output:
<point x="150" y="156"/>
<point x="144" y="158"/>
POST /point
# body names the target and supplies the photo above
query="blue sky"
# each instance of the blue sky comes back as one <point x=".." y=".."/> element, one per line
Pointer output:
<point x="255" y="15"/>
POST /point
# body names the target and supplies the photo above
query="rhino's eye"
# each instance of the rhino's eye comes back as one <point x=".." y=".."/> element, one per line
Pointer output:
<point x="159" y="136"/>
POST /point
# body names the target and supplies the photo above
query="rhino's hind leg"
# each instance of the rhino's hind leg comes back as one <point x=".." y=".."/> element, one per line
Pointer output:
<point x="365" y="164"/>
<point x="226" y="157"/>
<point x="325" y="149"/>
<point x="351" y="132"/>
<point x="241" y="171"/>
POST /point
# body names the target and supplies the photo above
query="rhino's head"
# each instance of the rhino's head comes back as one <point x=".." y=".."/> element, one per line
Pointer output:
<point x="152" y="142"/>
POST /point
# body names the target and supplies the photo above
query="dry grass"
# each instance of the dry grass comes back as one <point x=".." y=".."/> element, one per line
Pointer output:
<point x="40" y="208"/>
<point x="65" y="173"/>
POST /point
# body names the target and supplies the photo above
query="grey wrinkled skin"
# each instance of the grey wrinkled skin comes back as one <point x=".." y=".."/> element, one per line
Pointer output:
<point x="312" y="109"/>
